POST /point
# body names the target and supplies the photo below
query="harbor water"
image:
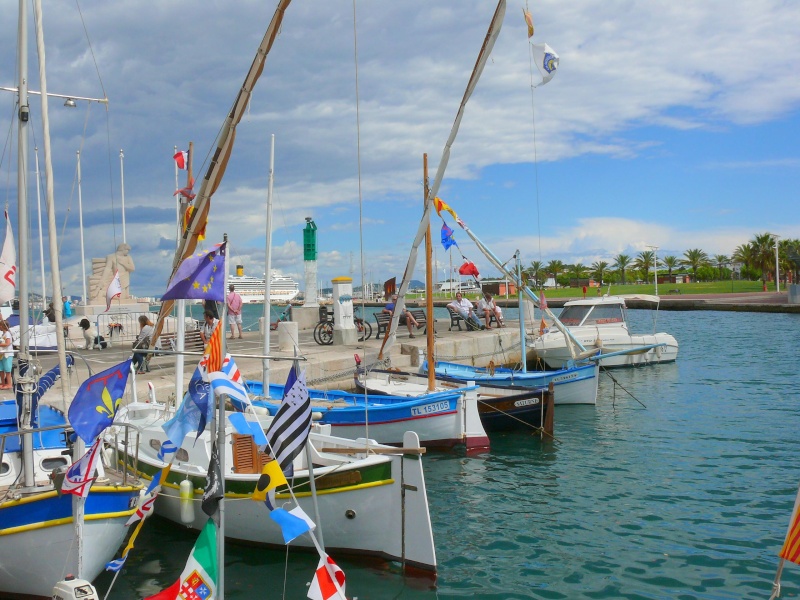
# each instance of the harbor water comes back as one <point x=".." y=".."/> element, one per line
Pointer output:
<point x="679" y="484"/>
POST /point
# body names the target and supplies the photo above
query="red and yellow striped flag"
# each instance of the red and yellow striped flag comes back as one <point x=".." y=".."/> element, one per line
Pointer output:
<point x="791" y="547"/>
<point x="212" y="355"/>
<point x="441" y="205"/>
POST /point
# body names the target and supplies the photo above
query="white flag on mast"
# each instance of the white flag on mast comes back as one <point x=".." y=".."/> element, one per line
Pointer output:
<point x="114" y="290"/>
<point x="8" y="266"/>
<point x="546" y="61"/>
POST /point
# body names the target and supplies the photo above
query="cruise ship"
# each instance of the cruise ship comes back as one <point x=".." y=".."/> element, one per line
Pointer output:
<point x="281" y="289"/>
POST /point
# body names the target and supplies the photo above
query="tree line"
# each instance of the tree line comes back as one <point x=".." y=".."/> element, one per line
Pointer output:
<point x="751" y="261"/>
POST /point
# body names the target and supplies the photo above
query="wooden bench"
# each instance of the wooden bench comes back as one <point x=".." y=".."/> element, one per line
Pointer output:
<point x="456" y="319"/>
<point x="384" y="319"/>
<point x="192" y="341"/>
<point x="482" y="315"/>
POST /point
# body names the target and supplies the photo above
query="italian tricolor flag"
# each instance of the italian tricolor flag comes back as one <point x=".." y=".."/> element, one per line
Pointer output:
<point x="199" y="577"/>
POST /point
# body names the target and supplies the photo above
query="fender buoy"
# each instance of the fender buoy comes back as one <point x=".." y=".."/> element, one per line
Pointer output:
<point x="187" y="501"/>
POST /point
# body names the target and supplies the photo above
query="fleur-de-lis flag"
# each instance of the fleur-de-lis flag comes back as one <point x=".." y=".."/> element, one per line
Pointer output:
<point x="97" y="400"/>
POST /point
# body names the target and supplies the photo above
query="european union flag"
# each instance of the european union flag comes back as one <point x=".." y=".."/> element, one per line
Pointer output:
<point x="97" y="400"/>
<point x="447" y="237"/>
<point x="199" y="277"/>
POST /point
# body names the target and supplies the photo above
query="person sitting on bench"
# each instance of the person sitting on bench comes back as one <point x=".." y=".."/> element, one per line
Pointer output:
<point x="488" y="307"/>
<point x="410" y="320"/>
<point x="465" y="308"/>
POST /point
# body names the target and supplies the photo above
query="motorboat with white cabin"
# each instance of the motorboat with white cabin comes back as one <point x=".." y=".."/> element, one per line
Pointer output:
<point x="602" y="323"/>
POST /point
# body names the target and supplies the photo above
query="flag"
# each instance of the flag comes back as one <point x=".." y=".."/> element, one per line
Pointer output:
<point x="144" y="510"/>
<point x="791" y="547"/>
<point x="8" y="265"/>
<point x="292" y="526"/>
<point x="389" y="287"/>
<point x="114" y="290"/>
<point x="212" y="355"/>
<point x="186" y="193"/>
<point x="528" y="22"/>
<point x="182" y="159"/>
<point x="469" y="268"/>
<point x="447" y="237"/>
<point x="117" y="564"/>
<point x="171" y="593"/>
<point x="159" y="479"/>
<point x="288" y="432"/>
<point x="80" y="475"/>
<point x="229" y="381"/>
<point x="198" y="581"/>
<point x="271" y="477"/>
<point x="542" y="301"/>
<point x="199" y="277"/>
<point x="194" y="412"/>
<point x="546" y="61"/>
<point x="187" y="218"/>
<point x="97" y="400"/>
<point x="322" y="587"/>
<point x="213" y="492"/>
<point x="440" y="205"/>
<point x="542" y="326"/>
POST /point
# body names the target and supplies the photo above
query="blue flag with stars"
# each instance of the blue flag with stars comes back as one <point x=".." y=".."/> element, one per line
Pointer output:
<point x="97" y="400"/>
<point x="199" y="277"/>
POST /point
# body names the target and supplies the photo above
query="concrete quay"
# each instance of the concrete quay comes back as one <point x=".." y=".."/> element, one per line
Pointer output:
<point x="327" y="367"/>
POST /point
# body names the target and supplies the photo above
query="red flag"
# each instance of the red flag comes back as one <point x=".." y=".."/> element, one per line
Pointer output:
<point x="168" y="594"/>
<point x="212" y="355"/>
<point x="469" y="268"/>
<point x="322" y="587"/>
<point x="542" y="301"/>
<point x="791" y="546"/>
<point x="182" y="159"/>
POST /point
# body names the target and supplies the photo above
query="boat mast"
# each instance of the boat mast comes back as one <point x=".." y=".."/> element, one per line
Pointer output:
<point x="429" y="286"/>
<point x="22" y="210"/>
<point x="268" y="274"/>
<point x="523" y="352"/>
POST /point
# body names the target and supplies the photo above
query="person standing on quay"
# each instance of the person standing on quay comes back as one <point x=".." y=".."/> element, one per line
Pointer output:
<point x="234" y="312"/>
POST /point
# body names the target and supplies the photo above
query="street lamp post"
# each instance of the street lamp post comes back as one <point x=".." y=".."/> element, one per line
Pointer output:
<point x="655" y="265"/>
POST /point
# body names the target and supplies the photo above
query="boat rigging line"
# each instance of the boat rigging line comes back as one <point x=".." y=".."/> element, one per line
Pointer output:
<point x="622" y="387"/>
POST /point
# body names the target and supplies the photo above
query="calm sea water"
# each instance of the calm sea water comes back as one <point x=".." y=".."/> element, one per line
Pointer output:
<point x="683" y="491"/>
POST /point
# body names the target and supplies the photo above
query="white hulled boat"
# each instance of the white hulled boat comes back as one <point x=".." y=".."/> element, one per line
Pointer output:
<point x="603" y="323"/>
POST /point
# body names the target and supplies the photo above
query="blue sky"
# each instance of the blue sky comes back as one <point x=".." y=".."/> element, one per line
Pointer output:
<point x="670" y="125"/>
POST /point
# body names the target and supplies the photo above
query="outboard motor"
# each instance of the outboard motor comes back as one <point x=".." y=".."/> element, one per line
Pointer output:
<point x="72" y="589"/>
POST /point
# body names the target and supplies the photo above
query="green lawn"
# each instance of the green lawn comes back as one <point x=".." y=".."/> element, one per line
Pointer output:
<point x="712" y="287"/>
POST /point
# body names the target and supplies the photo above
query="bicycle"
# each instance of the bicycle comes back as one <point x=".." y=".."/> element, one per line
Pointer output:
<point x="323" y="331"/>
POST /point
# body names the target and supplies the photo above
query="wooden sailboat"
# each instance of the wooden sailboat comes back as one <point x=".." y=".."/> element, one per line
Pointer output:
<point x="45" y="536"/>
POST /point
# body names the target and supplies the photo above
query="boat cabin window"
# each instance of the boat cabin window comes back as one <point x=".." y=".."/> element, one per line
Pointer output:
<point x="573" y="315"/>
<point x="604" y="314"/>
<point x="51" y="464"/>
<point x="599" y="314"/>
<point x="4" y="468"/>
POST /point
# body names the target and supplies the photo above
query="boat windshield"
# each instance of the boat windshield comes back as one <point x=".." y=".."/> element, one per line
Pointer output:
<point x="599" y="314"/>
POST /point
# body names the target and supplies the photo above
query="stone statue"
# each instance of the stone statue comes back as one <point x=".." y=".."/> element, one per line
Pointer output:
<point x="103" y="272"/>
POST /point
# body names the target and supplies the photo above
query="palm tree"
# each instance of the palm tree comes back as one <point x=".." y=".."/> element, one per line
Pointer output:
<point x="599" y="269"/>
<point x="621" y="262"/>
<point x="671" y="262"/>
<point x="578" y="271"/>
<point x="764" y="250"/>
<point x="745" y="254"/>
<point x="554" y="267"/>
<point x="720" y="260"/>
<point x="694" y="259"/>
<point x="643" y="262"/>
<point x="535" y="271"/>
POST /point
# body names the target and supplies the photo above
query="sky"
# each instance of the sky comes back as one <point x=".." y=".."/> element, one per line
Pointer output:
<point x="668" y="124"/>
